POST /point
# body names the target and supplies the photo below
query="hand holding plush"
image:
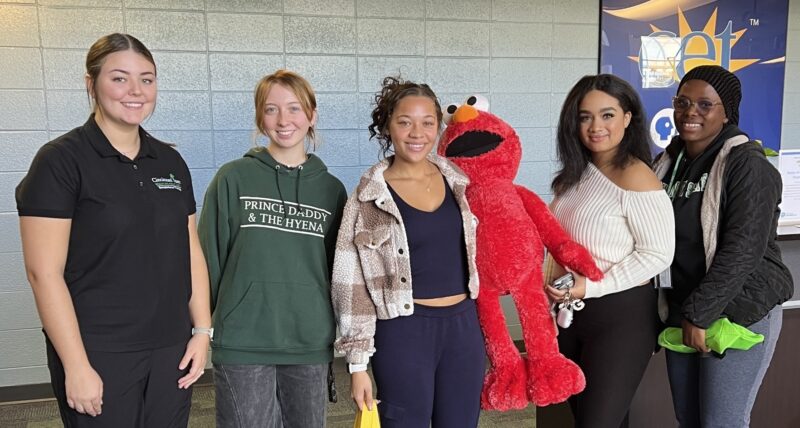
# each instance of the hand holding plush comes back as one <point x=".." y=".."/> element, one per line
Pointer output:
<point x="514" y="227"/>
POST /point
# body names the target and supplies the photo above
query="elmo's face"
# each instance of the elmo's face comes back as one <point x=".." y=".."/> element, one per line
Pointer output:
<point x="480" y="143"/>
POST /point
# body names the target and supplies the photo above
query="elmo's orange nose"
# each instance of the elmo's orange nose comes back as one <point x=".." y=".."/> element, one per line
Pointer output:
<point x="465" y="113"/>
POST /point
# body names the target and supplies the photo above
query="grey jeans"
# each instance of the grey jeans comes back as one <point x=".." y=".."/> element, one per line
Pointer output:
<point x="271" y="396"/>
<point x="709" y="392"/>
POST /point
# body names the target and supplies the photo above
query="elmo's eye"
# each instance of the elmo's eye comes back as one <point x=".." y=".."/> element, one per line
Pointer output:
<point x="479" y="102"/>
<point x="448" y="113"/>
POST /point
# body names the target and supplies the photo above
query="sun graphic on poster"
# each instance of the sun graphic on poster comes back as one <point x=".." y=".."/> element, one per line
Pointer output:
<point x="665" y="57"/>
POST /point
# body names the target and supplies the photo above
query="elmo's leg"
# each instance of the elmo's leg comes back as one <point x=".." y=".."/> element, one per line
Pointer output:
<point x="504" y="385"/>
<point x="552" y="378"/>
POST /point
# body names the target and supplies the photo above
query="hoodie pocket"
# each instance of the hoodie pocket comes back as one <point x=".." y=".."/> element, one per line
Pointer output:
<point x="279" y="316"/>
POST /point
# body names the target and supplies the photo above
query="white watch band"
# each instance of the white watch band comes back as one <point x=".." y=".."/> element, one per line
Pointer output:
<point x="355" y="368"/>
<point x="209" y="331"/>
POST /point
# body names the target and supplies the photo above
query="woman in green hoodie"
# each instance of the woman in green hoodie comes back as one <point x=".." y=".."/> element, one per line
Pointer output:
<point x="268" y="229"/>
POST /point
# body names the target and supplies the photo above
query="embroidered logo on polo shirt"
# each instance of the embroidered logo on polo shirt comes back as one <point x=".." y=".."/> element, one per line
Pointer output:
<point x="170" y="183"/>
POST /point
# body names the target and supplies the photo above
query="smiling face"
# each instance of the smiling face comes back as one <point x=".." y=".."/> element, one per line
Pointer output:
<point x="284" y="120"/>
<point x="602" y="123"/>
<point x="124" y="90"/>
<point x="697" y="129"/>
<point x="413" y="128"/>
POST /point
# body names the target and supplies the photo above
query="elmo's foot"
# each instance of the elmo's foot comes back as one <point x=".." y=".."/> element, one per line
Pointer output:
<point x="504" y="387"/>
<point x="553" y="379"/>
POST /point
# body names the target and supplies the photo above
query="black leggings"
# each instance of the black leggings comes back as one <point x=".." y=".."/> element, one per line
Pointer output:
<point x="612" y="340"/>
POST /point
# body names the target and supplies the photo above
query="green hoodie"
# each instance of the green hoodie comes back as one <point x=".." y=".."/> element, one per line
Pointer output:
<point x="268" y="233"/>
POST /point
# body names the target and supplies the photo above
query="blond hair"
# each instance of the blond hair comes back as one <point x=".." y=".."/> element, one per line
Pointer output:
<point x="301" y="89"/>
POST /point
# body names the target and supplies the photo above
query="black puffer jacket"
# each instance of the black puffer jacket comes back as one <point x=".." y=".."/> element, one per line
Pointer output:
<point x="745" y="278"/>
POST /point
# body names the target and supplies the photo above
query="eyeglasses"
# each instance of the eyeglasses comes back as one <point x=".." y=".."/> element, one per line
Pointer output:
<point x="703" y="106"/>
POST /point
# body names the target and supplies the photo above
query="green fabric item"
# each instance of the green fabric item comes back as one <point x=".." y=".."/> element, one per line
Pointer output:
<point x="268" y="234"/>
<point x="720" y="336"/>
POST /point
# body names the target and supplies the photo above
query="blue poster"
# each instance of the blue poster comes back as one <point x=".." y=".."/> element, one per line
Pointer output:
<point x="652" y="44"/>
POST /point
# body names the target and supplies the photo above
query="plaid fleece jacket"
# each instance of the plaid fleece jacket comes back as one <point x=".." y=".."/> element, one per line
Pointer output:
<point x="372" y="270"/>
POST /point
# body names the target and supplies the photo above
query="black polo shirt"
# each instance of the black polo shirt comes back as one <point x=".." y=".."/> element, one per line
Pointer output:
<point x="128" y="268"/>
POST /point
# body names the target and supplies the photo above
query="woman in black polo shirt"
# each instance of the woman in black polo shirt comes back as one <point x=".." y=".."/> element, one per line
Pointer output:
<point x="111" y="251"/>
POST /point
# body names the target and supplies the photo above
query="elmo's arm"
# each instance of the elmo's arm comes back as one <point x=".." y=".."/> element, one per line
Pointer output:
<point x="565" y="251"/>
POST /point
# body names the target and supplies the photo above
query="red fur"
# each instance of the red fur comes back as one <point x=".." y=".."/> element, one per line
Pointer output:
<point x="514" y="227"/>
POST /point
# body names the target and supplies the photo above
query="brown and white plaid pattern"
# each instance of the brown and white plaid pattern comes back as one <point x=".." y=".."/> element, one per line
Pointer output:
<point x="371" y="269"/>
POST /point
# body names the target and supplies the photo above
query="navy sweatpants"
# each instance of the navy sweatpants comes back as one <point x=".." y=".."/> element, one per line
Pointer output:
<point x="429" y="367"/>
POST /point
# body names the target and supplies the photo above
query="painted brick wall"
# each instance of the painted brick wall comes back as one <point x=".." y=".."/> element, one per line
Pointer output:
<point x="523" y="54"/>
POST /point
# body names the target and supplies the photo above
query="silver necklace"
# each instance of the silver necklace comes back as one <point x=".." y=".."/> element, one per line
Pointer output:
<point x="130" y="153"/>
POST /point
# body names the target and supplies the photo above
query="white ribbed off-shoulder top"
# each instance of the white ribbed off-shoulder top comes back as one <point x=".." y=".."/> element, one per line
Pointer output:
<point x="630" y="234"/>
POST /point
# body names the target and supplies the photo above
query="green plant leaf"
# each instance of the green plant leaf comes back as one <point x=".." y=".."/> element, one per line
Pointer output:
<point x="767" y="150"/>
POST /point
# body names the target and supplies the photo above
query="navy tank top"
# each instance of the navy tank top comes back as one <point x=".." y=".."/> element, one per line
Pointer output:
<point x="436" y="248"/>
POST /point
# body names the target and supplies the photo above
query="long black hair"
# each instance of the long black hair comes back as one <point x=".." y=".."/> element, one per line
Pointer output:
<point x="573" y="155"/>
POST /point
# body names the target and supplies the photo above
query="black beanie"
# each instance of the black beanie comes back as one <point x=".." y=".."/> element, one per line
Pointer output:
<point x="724" y="82"/>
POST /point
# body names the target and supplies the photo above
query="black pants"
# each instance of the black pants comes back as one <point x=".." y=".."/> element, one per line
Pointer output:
<point x="429" y="367"/>
<point x="140" y="389"/>
<point x="612" y="340"/>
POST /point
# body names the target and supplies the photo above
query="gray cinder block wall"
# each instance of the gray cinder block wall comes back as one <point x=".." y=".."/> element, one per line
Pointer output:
<point x="523" y="54"/>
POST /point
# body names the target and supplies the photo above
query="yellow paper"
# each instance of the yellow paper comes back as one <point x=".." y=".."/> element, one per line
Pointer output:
<point x="367" y="418"/>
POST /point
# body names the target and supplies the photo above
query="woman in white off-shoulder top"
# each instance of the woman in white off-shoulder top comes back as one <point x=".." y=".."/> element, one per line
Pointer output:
<point x="609" y="200"/>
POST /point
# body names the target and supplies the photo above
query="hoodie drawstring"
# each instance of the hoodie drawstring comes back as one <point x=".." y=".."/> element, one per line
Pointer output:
<point x="280" y="194"/>
<point x="296" y="188"/>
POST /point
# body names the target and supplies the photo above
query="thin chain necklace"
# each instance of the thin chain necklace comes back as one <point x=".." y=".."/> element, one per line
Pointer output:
<point x="131" y="152"/>
<point x="604" y="166"/>
<point x="429" y="174"/>
<point x="101" y="123"/>
<point x="428" y="185"/>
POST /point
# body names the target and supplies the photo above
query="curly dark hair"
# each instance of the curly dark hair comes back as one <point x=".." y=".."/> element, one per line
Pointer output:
<point x="392" y="91"/>
<point x="573" y="155"/>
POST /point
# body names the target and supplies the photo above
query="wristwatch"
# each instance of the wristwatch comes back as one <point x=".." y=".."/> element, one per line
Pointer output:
<point x="209" y="331"/>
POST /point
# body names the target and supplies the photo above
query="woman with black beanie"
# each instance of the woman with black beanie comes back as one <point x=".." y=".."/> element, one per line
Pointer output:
<point x="725" y="196"/>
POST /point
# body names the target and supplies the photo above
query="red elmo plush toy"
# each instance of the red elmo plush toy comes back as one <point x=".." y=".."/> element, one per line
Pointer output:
<point x="514" y="226"/>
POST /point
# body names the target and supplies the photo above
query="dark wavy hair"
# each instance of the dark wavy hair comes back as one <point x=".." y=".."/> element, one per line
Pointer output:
<point x="107" y="45"/>
<point x="392" y="91"/>
<point x="573" y="155"/>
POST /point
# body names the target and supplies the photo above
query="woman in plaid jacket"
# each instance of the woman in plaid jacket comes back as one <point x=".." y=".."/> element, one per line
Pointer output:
<point x="404" y="275"/>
